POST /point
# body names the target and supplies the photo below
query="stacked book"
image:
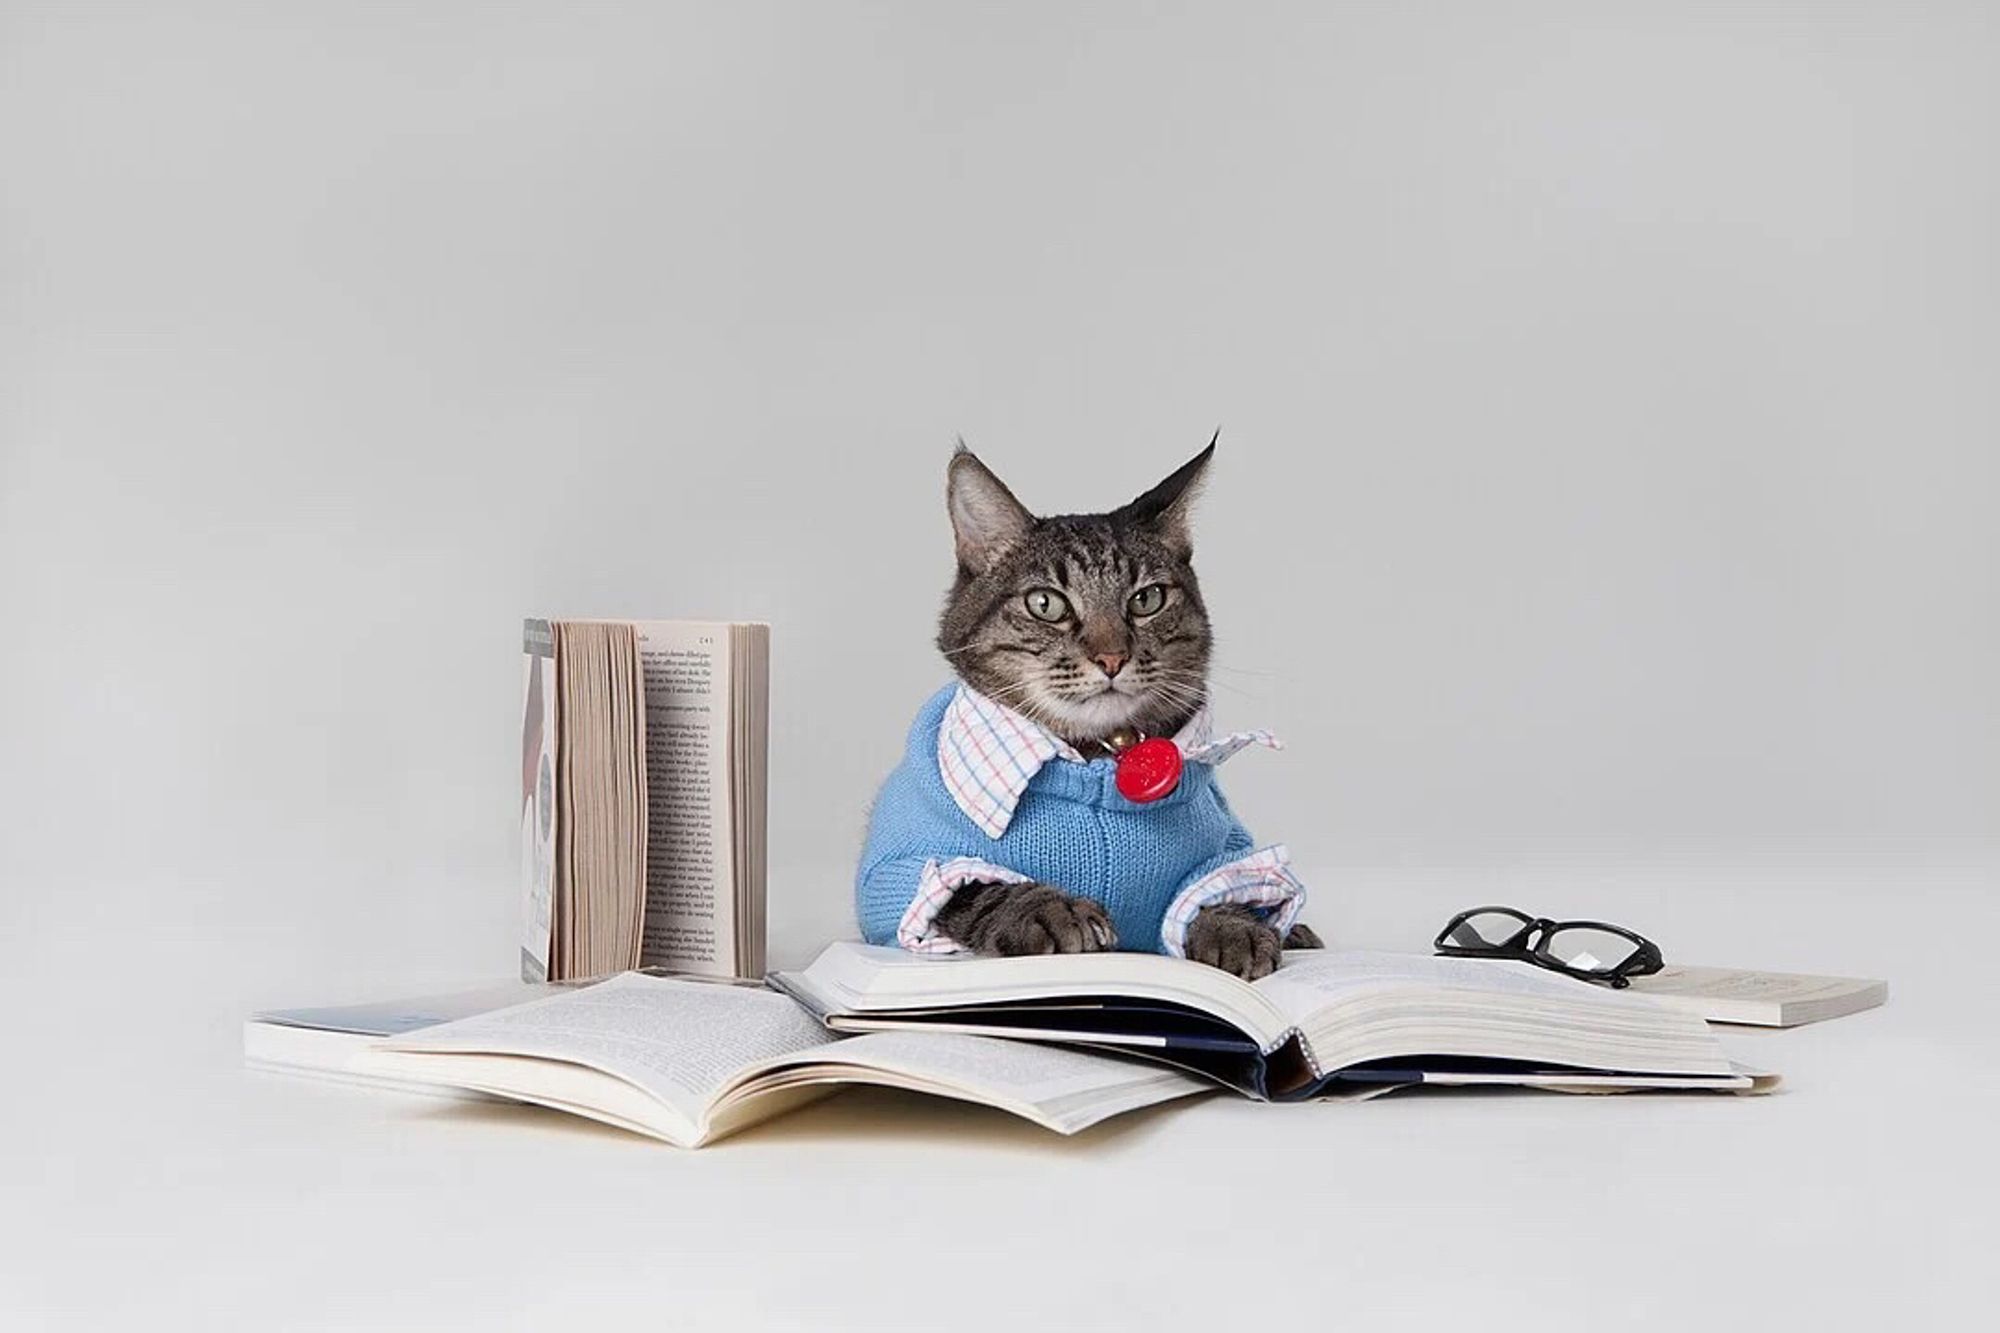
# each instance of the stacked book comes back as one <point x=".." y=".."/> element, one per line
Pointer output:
<point x="1064" y="1041"/>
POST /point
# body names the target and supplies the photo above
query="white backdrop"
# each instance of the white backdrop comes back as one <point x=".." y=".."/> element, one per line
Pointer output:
<point x="1609" y="427"/>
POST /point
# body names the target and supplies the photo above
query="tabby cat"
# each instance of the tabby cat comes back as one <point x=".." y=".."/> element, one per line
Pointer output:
<point x="1092" y="628"/>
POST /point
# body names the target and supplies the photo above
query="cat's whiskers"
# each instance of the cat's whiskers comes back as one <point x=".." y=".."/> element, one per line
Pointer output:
<point x="1180" y="683"/>
<point x="1006" y="693"/>
<point x="1182" y="697"/>
<point x="1034" y="711"/>
<point x="1237" y="690"/>
<point x="970" y="647"/>
<point x="1252" y="671"/>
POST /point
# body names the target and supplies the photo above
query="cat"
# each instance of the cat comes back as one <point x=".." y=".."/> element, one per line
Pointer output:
<point x="1071" y="636"/>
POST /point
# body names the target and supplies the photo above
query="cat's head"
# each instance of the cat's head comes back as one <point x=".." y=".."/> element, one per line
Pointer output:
<point x="1084" y="622"/>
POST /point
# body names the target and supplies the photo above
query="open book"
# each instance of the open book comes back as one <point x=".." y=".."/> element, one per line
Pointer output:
<point x="643" y="797"/>
<point x="1322" y="1020"/>
<point x="690" y="1061"/>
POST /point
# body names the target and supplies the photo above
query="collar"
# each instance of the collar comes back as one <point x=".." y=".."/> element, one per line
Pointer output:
<point x="988" y="753"/>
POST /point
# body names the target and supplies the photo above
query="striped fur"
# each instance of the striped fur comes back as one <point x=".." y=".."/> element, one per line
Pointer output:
<point x="1052" y="669"/>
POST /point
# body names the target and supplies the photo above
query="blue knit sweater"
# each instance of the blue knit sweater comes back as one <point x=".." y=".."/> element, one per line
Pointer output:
<point x="1072" y="829"/>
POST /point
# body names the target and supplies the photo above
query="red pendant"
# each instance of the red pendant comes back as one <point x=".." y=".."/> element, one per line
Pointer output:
<point x="1149" y="770"/>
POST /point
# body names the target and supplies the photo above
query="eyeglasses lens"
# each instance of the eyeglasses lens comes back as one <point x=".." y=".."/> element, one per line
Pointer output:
<point x="1486" y="930"/>
<point x="1587" y="949"/>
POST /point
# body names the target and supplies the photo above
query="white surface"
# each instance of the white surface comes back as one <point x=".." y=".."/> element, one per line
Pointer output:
<point x="1607" y="480"/>
<point x="152" y="1181"/>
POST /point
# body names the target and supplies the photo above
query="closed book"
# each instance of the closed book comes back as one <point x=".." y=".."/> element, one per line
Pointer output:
<point x="1760" y="999"/>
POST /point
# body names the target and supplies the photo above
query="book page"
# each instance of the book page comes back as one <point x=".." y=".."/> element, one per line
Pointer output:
<point x="1065" y="1090"/>
<point x="851" y="978"/>
<point x="1361" y="1005"/>
<point x="600" y="804"/>
<point x="690" y="920"/>
<point x="680" y="1041"/>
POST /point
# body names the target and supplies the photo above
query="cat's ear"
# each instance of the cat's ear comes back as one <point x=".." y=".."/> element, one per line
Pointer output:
<point x="1169" y="506"/>
<point x="986" y="519"/>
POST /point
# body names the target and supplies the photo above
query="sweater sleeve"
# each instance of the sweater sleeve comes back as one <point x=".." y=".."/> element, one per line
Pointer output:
<point x="921" y="849"/>
<point x="898" y="887"/>
<point x="881" y="892"/>
<point x="898" y="900"/>
<point x="1262" y="880"/>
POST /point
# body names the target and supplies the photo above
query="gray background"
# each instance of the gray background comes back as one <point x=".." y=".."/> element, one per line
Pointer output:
<point x="1609" y="427"/>
<point x="1604" y="512"/>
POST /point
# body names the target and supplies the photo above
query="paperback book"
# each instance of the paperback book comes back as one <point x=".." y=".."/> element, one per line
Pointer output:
<point x="1760" y="999"/>
<point x="689" y="1062"/>
<point x="643" y="750"/>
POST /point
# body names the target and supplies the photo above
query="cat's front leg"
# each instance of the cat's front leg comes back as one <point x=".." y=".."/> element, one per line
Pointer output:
<point x="1235" y="939"/>
<point x="1011" y="919"/>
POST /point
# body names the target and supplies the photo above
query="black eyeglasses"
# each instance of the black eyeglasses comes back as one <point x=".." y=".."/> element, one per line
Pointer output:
<point x="1591" y="950"/>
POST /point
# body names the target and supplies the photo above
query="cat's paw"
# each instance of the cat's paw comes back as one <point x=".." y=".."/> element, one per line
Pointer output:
<point x="1304" y="937"/>
<point x="1015" y="919"/>
<point x="1234" y="939"/>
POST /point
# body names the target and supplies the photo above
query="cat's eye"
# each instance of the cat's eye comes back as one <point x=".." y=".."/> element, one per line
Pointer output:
<point x="1148" y="599"/>
<point x="1046" y="604"/>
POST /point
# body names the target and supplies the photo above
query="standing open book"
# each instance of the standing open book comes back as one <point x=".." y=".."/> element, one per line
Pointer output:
<point x="1324" y="1019"/>
<point x="643" y="797"/>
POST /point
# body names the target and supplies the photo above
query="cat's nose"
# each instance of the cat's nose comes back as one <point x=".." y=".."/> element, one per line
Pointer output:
<point x="1112" y="663"/>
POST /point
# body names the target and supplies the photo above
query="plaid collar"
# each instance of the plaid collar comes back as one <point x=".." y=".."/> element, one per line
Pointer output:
<point x="988" y="753"/>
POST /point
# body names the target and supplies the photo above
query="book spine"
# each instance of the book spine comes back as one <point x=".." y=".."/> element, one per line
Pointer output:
<point x="539" y="806"/>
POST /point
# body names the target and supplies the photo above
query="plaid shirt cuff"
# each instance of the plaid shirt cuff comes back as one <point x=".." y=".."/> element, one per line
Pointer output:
<point x="1262" y="881"/>
<point x="918" y="931"/>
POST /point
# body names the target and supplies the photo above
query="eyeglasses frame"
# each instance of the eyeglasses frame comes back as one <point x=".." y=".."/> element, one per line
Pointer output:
<point x="1642" y="962"/>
